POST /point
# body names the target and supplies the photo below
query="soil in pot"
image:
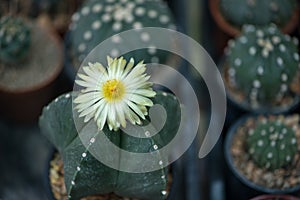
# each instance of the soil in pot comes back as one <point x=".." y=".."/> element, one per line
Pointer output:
<point x="58" y="188"/>
<point x="279" y="181"/>
<point x="25" y="87"/>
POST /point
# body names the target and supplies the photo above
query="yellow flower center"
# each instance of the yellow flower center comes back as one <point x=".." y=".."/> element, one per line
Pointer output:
<point x="113" y="90"/>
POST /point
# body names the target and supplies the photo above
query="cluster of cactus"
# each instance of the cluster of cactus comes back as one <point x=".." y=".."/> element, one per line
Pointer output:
<point x="98" y="20"/>
<point x="258" y="12"/>
<point x="85" y="175"/>
<point x="15" y="38"/>
<point x="263" y="63"/>
<point x="272" y="144"/>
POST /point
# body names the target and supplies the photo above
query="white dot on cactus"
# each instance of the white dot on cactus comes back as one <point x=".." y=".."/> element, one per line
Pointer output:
<point x="75" y="17"/>
<point x="116" y="39"/>
<point x="231" y="43"/>
<point x="117" y="26"/>
<point x="284" y="131"/>
<point x="271" y="29"/>
<point x="288" y="158"/>
<point x="276" y="39"/>
<point x="81" y="47"/>
<point x="279" y="61"/>
<point x="140" y="11"/>
<point x="147" y="133"/>
<point x="72" y="182"/>
<point x="249" y="28"/>
<point x="114" y="53"/>
<point x="130" y="5"/>
<point x="109" y="8"/>
<point x="67" y="96"/>
<point x="283" y="88"/>
<point x="270" y="155"/>
<point x="92" y="140"/>
<point x="151" y="50"/>
<point x="271" y="129"/>
<point x="69" y="196"/>
<point x="243" y="40"/>
<point x="160" y="162"/>
<point x="260" y="70"/>
<point x="252" y="150"/>
<point x="163" y="176"/>
<point x="83" y="155"/>
<point x="164" y="19"/>
<point x="265" y="53"/>
<point x="295" y="41"/>
<point x="163" y="192"/>
<point x="238" y="62"/>
<point x="96" y="25"/>
<point x="263" y="132"/>
<point x="56" y="100"/>
<point x="287" y="37"/>
<point x="252" y="51"/>
<point x="282" y="146"/>
<point x="137" y="25"/>
<point x="97" y="8"/>
<point x="152" y="14"/>
<point x="231" y="71"/>
<point x="296" y="56"/>
<point x="280" y="136"/>
<point x="78" y="168"/>
<point x="106" y="17"/>
<point x="145" y="37"/>
<point x="282" y="48"/>
<point x="251" y="132"/>
<point x="155" y="147"/>
<point x="256" y="84"/>
<point x="155" y="59"/>
<point x="273" y="143"/>
<point x="260" y="143"/>
<point x="139" y="1"/>
<point x="87" y="35"/>
<point x="164" y="94"/>
<point x="293" y="141"/>
<point x="259" y="33"/>
<point x="129" y="18"/>
<point x="268" y="165"/>
<point x="85" y="11"/>
<point x="48" y="107"/>
<point x="284" y="77"/>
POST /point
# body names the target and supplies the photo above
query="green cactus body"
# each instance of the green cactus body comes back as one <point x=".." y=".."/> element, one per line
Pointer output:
<point x="98" y="20"/>
<point x="262" y="64"/>
<point x="14" y="39"/>
<point x="272" y="144"/>
<point x="85" y="175"/>
<point x="258" y="12"/>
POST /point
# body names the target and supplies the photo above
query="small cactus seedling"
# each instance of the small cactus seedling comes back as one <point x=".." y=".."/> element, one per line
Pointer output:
<point x="272" y="144"/>
<point x="14" y="39"/>
<point x="98" y="20"/>
<point x="258" y="12"/>
<point x="262" y="63"/>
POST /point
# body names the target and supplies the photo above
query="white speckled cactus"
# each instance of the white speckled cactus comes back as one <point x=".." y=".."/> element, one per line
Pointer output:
<point x="98" y="20"/>
<point x="272" y="144"/>
<point x="258" y="12"/>
<point x="262" y="63"/>
<point x="14" y="39"/>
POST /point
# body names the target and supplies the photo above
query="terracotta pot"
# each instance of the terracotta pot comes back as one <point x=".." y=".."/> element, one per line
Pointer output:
<point x="27" y="87"/>
<point x="234" y="31"/>
<point x="275" y="197"/>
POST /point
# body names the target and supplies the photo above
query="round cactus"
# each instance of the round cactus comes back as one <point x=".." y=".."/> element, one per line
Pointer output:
<point x="98" y="20"/>
<point x="263" y="63"/>
<point x="258" y="12"/>
<point x="14" y="39"/>
<point x="272" y="144"/>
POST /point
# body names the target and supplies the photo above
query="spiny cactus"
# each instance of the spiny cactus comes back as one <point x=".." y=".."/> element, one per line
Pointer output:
<point x="98" y="20"/>
<point x="272" y="144"/>
<point x="258" y="12"/>
<point x="14" y="39"/>
<point x="262" y="63"/>
<point x="85" y="175"/>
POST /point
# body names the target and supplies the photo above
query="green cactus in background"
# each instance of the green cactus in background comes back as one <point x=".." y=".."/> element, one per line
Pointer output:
<point x="263" y="63"/>
<point x="258" y="12"/>
<point x="14" y="39"/>
<point x="98" y="20"/>
<point x="85" y="175"/>
<point x="272" y="144"/>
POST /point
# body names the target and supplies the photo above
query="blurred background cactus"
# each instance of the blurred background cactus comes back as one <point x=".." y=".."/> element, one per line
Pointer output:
<point x="272" y="144"/>
<point x="258" y="12"/>
<point x="98" y="20"/>
<point x="85" y="175"/>
<point x="262" y="64"/>
<point x="14" y="39"/>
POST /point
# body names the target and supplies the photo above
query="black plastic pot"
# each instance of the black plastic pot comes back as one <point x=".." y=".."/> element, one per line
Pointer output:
<point x="247" y="189"/>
